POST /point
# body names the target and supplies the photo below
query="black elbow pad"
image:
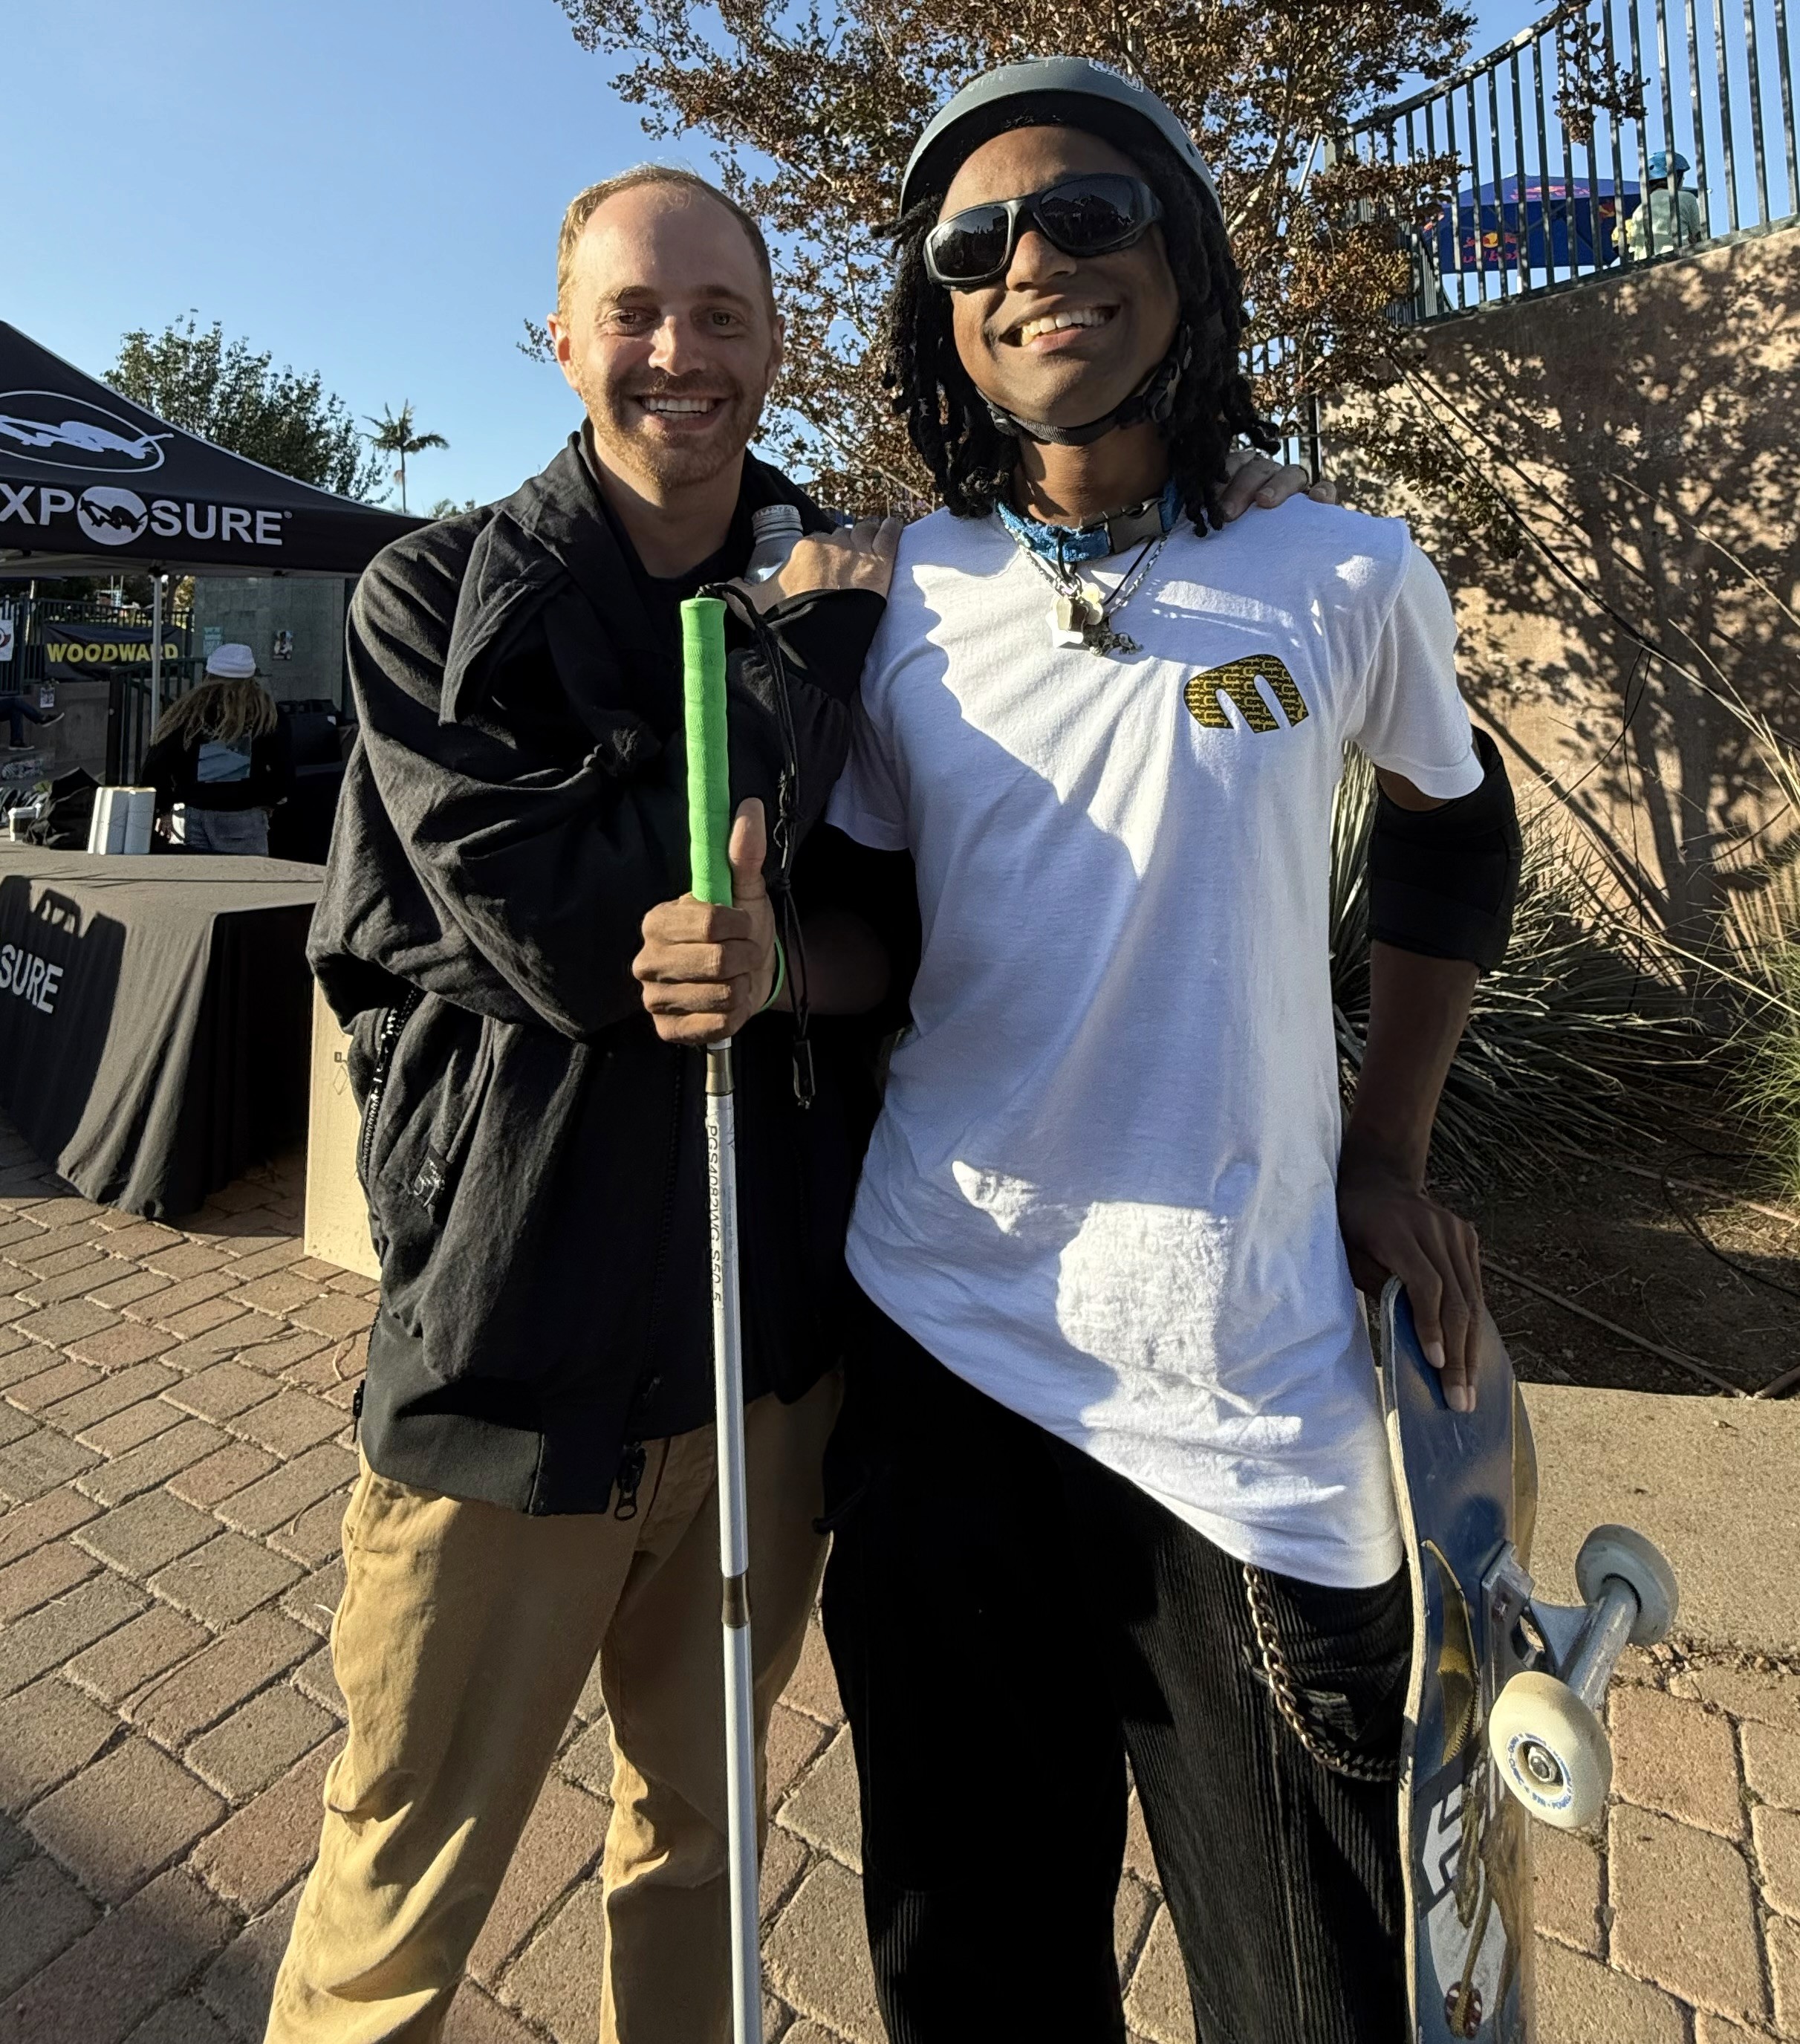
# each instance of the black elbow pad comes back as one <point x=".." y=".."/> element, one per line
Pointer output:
<point x="1443" y="882"/>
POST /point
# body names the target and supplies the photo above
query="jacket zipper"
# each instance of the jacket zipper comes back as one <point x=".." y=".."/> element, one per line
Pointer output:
<point x="393" y="1024"/>
<point x="631" y="1474"/>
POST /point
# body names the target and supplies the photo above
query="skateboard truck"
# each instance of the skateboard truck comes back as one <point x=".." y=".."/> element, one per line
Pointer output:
<point x="1543" y="1729"/>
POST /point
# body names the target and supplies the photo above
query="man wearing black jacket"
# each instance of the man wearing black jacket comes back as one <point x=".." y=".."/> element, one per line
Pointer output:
<point x="538" y="1484"/>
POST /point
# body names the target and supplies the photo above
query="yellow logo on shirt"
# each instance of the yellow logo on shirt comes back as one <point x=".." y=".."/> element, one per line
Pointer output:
<point x="1238" y="679"/>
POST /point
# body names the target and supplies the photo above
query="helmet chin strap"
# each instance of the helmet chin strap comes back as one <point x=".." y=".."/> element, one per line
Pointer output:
<point x="1153" y="399"/>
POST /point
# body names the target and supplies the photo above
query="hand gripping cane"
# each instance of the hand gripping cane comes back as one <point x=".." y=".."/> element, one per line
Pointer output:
<point x="709" y="822"/>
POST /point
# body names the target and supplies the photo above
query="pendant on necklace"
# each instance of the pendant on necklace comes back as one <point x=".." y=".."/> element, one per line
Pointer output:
<point x="1079" y="620"/>
<point x="1078" y="615"/>
<point x="1072" y="616"/>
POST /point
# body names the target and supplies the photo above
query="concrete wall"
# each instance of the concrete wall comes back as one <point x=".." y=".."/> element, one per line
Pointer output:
<point x="1647" y="423"/>
<point x="80" y="739"/>
<point x="253" y="608"/>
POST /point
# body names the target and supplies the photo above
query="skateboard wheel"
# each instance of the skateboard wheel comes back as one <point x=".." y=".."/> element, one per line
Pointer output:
<point x="1551" y="1750"/>
<point x="1622" y="1551"/>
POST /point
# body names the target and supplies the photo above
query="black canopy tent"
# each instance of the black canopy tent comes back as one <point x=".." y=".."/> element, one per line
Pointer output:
<point x="86" y="474"/>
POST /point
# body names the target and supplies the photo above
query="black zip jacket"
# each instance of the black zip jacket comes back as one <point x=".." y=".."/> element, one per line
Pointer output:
<point x="532" y="1151"/>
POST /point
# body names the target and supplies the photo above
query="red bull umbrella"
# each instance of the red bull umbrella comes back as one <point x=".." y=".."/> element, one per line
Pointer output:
<point x="1554" y="215"/>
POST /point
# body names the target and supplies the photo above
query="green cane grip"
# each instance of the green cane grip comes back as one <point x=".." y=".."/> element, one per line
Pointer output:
<point x="709" y="785"/>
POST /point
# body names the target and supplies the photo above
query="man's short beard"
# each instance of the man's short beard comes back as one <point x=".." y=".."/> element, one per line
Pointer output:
<point x="670" y="463"/>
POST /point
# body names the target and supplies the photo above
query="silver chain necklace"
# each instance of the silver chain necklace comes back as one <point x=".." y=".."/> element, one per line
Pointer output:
<point x="1081" y="614"/>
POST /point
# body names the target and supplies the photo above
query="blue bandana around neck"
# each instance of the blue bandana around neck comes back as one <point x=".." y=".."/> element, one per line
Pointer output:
<point x="1067" y="545"/>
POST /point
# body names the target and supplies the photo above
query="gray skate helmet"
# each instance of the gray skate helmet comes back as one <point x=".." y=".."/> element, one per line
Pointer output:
<point x="1066" y="92"/>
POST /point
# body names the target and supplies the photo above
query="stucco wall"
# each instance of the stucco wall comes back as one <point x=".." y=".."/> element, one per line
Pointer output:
<point x="254" y="608"/>
<point x="1648" y="425"/>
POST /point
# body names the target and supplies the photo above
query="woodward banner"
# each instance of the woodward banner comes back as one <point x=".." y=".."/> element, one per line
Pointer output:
<point x="76" y="650"/>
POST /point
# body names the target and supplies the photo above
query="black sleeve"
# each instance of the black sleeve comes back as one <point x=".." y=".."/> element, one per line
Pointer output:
<point x="1444" y="881"/>
<point x="271" y="767"/>
<point x="548" y="858"/>
<point x="826" y="637"/>
<point x="162" y="767"/>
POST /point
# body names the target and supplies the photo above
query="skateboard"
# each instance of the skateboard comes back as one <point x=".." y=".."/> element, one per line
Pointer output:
<point x="1502" y="1724"/>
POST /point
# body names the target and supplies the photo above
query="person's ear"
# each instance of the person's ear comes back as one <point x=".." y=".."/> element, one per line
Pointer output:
<point x="561" y="345"/>
<point x="777" y="352"/>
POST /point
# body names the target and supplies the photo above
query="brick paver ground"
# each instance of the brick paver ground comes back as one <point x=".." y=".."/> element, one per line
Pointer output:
<point x="173" y="1454"/>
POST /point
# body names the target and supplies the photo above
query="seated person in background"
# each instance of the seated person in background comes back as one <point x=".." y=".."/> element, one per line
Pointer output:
<point x="219" y="761"/>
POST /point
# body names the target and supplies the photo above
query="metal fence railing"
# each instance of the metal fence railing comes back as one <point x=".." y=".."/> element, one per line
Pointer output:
<point x="132" y="710"/>
<point x="1569" y="143"/>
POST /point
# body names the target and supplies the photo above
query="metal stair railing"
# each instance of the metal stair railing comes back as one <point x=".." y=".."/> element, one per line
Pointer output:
<point x="1553" y="135"/>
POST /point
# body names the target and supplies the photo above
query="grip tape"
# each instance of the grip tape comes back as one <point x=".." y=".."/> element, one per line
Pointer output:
<point x="709" y="788"/>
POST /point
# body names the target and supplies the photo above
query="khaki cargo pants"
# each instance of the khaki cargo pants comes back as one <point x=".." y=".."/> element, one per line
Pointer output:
<point x="464" y="1637"/>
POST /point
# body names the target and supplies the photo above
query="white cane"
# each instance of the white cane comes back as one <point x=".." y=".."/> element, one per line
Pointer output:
<point x="709" y="804"/>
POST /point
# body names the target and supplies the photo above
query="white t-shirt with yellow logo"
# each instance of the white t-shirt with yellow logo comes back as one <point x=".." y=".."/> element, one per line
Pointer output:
<point x="1101" y="1188"/>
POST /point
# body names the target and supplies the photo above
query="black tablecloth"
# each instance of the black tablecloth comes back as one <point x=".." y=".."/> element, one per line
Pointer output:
<point x="155" y="1017"/>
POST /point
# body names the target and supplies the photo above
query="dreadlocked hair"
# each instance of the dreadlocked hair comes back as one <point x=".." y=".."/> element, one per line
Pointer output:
<point x="222" y="711"/>
<point x="971" y="460"/>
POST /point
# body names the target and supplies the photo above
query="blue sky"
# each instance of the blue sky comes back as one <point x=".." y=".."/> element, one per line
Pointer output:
<point x="368" y="188"/>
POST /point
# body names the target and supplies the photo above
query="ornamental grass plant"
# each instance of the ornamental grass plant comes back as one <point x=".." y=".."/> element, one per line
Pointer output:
<point x="1770" y="1096"/>
<point x="1758" y="957"/>
<point x="1575" y="1043"/>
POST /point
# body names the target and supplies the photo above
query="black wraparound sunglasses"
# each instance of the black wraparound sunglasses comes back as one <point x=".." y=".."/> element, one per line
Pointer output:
<point x="1086" y="216"/>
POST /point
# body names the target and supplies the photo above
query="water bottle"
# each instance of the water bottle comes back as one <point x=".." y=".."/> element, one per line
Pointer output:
<point x="775" y="532"/>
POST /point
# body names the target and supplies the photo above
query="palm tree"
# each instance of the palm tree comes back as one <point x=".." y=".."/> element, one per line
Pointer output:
<point x="393" y="434"/>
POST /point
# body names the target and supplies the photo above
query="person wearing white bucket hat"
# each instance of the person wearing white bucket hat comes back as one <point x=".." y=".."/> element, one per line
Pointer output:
<point x="220" y="760"/>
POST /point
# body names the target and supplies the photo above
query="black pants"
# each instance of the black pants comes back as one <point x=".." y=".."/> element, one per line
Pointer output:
<point x="15" y="710"/>
<point x="1009" y="1621"/>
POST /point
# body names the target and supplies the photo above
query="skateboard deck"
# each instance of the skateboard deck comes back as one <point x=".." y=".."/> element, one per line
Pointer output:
<point x="1466" y="1485"/>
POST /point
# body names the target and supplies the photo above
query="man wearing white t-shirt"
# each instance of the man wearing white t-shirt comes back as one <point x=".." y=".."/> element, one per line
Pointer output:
<point x="1112" y="1479"/>
<point x="1123" y="1483"/>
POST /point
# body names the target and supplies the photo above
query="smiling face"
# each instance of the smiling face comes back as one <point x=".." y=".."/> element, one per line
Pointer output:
<point x="668" y="332"/>
<point x="1059" y="338"/>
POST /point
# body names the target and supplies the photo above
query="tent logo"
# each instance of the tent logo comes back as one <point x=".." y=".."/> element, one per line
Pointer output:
<point x="114" y="517"/>
<point x="62" y="431"/>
